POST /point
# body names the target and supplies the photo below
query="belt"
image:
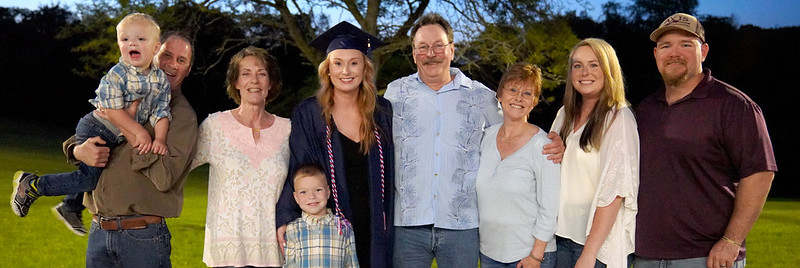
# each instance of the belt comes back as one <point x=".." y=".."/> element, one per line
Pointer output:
<point x="126" y="223"/>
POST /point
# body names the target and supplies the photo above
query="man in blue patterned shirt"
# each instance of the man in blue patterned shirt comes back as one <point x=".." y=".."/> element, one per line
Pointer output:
<point x="132" y="93"/>
<point x="439" y="118"/>
<point x="317" y="239"/>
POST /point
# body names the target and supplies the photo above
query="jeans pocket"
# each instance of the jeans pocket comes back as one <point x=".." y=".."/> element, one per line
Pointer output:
<point x="149" y="247"/>
<point x="151" y="233"/>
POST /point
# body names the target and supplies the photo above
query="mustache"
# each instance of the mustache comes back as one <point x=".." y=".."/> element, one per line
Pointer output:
<point x="432" y="60"/>
<point x="676" y="60"/>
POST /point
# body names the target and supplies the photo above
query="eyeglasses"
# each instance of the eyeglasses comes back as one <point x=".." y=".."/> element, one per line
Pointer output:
<point x="516" y="92"/>
<point x="437" y="48"/>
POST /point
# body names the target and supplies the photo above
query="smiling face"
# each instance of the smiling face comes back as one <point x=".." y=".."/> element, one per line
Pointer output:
<point x="346" y="69"/>
<point x="253" y="81"/>
<point x="517" y="98"/>
<point x="311" y="193"/>
<point x="679" y="57"/>
<point x="433" y="53"/>
<point x="175" y="59"/>
<point x="587" y="75"/>
<point x="138" y="42"/>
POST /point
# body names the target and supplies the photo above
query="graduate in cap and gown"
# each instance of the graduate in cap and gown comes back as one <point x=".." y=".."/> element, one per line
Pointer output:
<point x="346" y="128"/>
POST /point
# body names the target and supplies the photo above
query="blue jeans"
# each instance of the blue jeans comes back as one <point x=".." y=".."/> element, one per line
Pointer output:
<point x="417" y="246"/>
<point x="85" y="178"/>
<point x="639" y="262"/>
<point x="568" y="252"/>
<point x="548" y="262"/>
<point x="148" y="247"/>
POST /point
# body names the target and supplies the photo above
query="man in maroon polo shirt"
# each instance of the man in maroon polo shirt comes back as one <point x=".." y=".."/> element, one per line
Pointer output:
<point x="706" y="159"/>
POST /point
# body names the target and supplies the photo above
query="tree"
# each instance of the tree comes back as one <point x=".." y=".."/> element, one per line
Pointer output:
<point x="223" y="27"/>
<point x="37" y="66"/>
<point x="650" y="13"/>
<point x="390" y="20"/>
<point x="217" y="34"/>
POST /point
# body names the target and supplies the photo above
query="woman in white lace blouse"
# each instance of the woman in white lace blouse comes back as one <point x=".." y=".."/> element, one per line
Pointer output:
<point x="600" y="168"/>
<point x="248" y="152"/>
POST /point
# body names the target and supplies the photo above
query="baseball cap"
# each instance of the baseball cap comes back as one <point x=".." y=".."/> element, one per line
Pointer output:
<point x="680" y="21"/>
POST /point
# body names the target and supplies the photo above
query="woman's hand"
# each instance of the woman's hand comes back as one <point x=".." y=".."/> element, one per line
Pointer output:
<point x="281" y="233"/>
<point x="528" y="262"/>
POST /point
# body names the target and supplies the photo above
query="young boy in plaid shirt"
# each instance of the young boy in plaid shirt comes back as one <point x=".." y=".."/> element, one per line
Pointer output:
<point x="316" y="239"/>
<point x="132" y="93"/>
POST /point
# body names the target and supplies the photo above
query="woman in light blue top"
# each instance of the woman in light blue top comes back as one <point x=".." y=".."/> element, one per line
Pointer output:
<point x="518" y="188"/>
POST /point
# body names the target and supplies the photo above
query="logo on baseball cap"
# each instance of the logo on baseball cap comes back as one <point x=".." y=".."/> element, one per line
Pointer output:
<point x="680" y="21"/>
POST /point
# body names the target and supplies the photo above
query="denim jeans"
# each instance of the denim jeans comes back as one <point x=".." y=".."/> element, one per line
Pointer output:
<point x="85" y="178"/>
<point x="548" y="262"/>
<point x="417" y="246"/>
<point x="238" y="267"/>
<point x="568" y="252"/>
<point x="639" y="262"/>
<point x="148" y="247"/>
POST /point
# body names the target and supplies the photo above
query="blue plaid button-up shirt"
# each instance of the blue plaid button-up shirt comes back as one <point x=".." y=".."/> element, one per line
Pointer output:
<point x="124" y="84"/>
<point x="314" y="242"/>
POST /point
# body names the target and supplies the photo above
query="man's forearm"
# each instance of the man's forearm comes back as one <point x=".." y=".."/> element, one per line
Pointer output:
<point x="750" y="197"/>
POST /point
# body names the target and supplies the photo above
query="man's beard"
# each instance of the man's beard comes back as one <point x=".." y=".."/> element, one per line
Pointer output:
<point x="674" y="80"/>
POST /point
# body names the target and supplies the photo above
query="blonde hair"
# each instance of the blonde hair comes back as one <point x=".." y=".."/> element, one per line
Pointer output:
<point x="612" y="97"/>
<point x="140" y="18"/>
<point x="309" y="170"/>
<point x="365" y="99"/>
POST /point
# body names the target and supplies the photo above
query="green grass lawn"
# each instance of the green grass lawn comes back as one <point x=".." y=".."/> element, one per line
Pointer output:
<point x="39" y="240"/>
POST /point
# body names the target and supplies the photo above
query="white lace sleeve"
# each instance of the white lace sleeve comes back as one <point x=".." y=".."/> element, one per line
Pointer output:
<point x="558" y="122"/>
<point x="619" y="154"/>
<point x="204" y="142"/>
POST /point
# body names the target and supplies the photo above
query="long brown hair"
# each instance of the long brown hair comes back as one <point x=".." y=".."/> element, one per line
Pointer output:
<point x="365" y="100"/>
<point x="612" y="97"/>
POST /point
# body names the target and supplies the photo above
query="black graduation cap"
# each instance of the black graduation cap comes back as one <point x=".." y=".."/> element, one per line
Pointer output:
<point x="346" y="36"/>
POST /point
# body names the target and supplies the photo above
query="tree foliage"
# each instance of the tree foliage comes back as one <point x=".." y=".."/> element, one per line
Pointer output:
<point x="650" y="13"/>
<point x="491" y="34"/>
<point x="500" y="33"/>
<point x="31" y="65"/>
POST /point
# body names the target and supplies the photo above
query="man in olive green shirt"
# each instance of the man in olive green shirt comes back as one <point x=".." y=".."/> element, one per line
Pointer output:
<point x="137" y="191"/>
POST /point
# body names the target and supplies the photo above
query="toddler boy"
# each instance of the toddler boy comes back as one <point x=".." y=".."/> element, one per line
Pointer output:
<point x="314" y="239"/>
<point x="132" y="93"/>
